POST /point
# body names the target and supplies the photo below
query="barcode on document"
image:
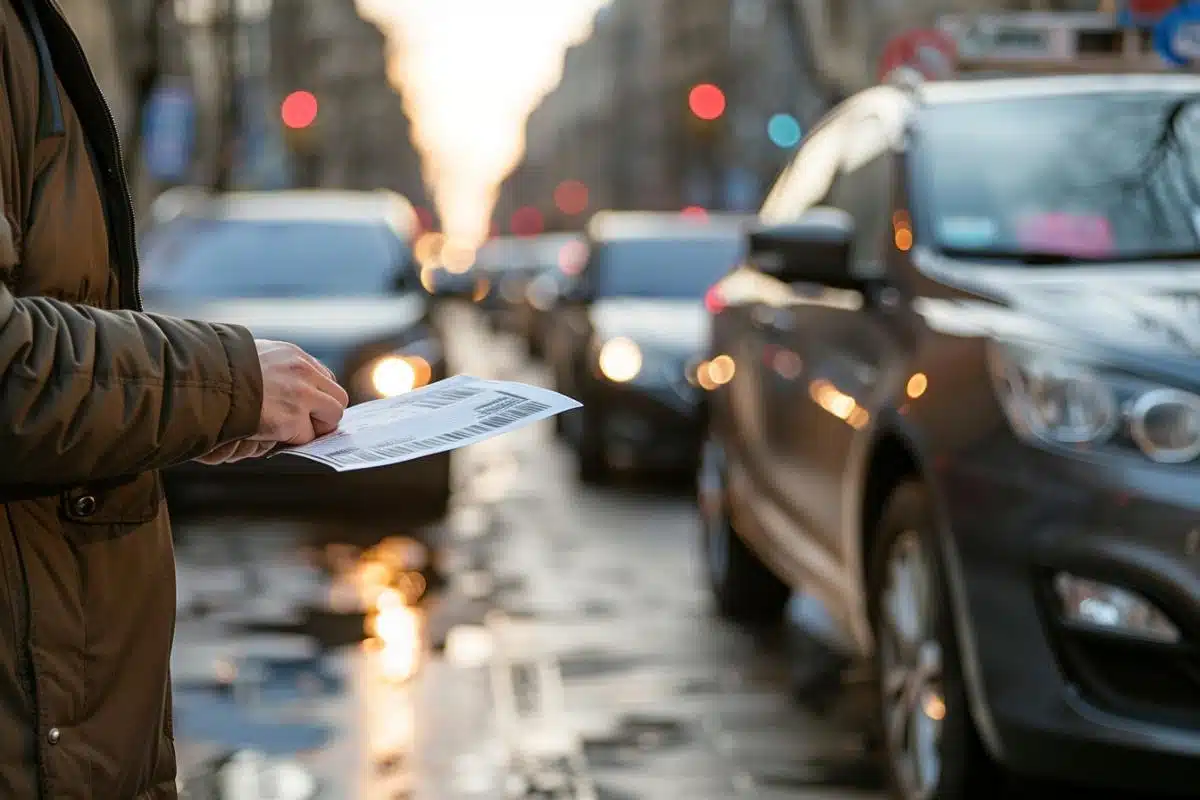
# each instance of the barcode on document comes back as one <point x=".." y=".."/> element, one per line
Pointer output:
<point x="441" y="398"/>
<point x="351" y="456"/>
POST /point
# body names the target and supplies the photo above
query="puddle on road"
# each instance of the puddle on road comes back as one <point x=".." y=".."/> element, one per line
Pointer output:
<point x="250" y="698"/>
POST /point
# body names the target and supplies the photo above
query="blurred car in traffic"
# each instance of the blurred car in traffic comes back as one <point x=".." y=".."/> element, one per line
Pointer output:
<point x="956" y="404"/>
<point x="627" y="331"/>
<point x="557" y="257"/>
<point x="504" y="263"/>
<point x="332" y="272"/>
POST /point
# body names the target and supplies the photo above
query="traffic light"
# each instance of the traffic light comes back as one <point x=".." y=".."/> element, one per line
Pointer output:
<point x="299" y="110"/>
<point x="784" y="131"/>
<point x="706" y="101"/>
<point x="527" y="221"/>
<point x="571" y="197"/>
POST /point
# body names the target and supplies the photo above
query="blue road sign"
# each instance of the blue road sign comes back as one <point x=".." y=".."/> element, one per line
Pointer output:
<point x="168" y="132"/>
<point x="1177" y="35"/>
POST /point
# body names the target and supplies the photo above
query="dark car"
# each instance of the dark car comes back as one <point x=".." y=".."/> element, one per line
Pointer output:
<point x="628" y="330"/>
<point x="332" y="272"/>
<point x="958" y="409"/>
<point x="557" y="257"/>
<point x="505" y="264"/>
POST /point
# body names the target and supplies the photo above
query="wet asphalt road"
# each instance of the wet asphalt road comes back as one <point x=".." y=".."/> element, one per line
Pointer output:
<point x="562" y="643"/>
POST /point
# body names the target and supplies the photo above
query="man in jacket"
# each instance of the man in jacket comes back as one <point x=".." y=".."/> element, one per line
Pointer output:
<point x="94" y="397"/>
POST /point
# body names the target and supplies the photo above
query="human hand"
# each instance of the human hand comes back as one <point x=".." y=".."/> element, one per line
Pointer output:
<point x="301" y="398"/>
<point x="232" y="452"/>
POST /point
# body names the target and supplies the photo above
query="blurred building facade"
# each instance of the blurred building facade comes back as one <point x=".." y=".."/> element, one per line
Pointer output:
<point x="619" y="120"/>
<point x="362" y="138"/>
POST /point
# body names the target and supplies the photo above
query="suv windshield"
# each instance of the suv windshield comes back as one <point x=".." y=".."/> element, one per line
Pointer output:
<point x="236" y="258"/>
<point x="1091" y="177"/>
<point x="666" y="268"/>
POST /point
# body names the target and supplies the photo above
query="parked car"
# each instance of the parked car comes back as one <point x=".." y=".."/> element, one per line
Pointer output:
<point x="958" y="409"/>
<point x="628" y="330"/>
<point x="332" y="272"/>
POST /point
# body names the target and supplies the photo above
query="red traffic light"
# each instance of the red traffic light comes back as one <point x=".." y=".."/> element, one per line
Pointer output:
<point x="527" y="221"/>
<point x="571" y="197"/>
<point x="706" y="101"/>
<point x="299" y="109"/>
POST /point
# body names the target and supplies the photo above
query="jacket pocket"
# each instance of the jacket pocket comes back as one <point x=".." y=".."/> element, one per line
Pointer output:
<point x="121" y="505"/>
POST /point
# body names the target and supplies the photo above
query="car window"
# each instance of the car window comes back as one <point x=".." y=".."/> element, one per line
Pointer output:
<point x="1096" y="176"/>
<point x="235" y="258"/>
<point x="661" y="268"/>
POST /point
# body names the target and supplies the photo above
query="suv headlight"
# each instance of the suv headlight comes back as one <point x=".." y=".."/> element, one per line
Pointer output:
<point x="620" y="359"/>
<point x="399" y="372"/>
<point x="1056" y="399"/>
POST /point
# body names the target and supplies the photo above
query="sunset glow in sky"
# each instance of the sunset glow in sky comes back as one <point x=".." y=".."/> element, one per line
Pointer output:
<point x="471" y="71"/>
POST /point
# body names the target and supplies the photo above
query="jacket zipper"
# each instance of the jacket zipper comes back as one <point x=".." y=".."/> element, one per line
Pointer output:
<point x="133" y="290"/>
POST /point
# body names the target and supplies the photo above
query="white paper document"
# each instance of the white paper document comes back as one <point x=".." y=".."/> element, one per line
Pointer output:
<point x="442" y="416"/>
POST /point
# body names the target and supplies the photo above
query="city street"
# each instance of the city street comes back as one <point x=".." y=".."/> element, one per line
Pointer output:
<point x="564" y="646"/>
<point x="595" y="592"/>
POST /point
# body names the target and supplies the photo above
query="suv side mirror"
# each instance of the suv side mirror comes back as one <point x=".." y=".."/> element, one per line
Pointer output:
<point x="814" y="249"/>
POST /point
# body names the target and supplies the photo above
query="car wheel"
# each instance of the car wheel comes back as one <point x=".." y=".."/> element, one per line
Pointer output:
<point x="931" y="747"/>
<point x="743" y="587"/>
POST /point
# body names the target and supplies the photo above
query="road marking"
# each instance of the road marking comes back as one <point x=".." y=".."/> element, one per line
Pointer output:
<point x="544" y="754"/>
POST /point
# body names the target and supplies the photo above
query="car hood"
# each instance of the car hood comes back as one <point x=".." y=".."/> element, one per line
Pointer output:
<point x="1140" y="311"/>
<point x="327" y="322"/>
<point x="678" y="326"/>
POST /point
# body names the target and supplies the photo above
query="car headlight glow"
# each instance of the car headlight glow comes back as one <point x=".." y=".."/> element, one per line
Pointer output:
<point x="1053" y="399"/>
<point x="397" y="374"/>
<point x="1063" y="401"/>
<point x="620" y="360"/>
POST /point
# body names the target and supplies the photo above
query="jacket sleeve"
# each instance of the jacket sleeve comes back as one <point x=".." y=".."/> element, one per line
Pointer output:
<point x="89" y="395"/>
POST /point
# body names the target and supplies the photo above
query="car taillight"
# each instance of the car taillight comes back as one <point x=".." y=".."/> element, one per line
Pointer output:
<point x="714" y="301"/>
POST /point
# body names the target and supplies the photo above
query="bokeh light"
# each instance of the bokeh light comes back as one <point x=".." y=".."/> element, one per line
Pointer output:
<point x="707" y="101"/>
<point x="571" y="197"/>
<point x="527" y="221"/>
<point x="784" y="131"/>
<point x="299" y="109"/>
<point x="571" y="257"/>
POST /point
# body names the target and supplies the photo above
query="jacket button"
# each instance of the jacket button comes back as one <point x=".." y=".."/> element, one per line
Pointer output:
<point x="84" y="506"/>
<point x="53" y="736"/>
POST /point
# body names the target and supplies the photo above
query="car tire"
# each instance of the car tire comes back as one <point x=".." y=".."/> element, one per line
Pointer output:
<point x="743" y="588"/>
<point x="932" y="750"/>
